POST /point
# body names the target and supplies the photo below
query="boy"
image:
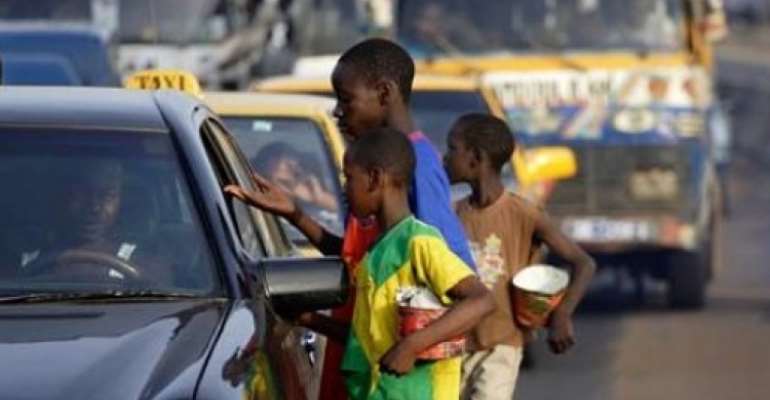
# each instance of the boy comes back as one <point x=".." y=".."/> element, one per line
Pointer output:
<point x="372" y="82"/>
<point x="505" y="231"/>
<point x="408" y="253"/>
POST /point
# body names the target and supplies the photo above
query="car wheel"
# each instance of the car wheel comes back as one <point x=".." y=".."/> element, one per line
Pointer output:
<point x="686" y="279"/>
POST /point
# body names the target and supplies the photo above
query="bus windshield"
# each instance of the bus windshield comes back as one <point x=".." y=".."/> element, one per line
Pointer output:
<point x="176" y="21"/>
<point x="451" y="27"/>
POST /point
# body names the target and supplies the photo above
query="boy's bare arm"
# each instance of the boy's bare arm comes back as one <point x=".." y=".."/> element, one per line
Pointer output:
<point x="561" y="336"/>
<point x="331" y="328"/>
<point x="273" y="199"/>
<point x="473" y="302"/>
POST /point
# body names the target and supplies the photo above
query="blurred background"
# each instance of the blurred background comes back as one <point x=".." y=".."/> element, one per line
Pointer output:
<point x="632" y="344"/>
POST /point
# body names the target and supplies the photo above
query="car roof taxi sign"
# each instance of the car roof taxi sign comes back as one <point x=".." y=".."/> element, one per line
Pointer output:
<point x="164" y="79"/>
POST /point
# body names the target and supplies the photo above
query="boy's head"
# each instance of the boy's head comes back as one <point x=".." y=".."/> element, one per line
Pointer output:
<point x="378" y="168"/>
<point x="371" y="80"/>
<point x="478" y="143"/>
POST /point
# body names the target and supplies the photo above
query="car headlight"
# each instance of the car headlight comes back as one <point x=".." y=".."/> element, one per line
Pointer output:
<point x="635" y="120"/>
<point x="689" y="124"/>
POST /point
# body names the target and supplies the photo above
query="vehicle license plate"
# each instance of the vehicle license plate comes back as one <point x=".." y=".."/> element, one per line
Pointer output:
<point x="607" y="230"/>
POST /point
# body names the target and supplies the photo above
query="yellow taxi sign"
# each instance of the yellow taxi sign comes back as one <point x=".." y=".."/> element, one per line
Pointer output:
<point x="164" y="79"/>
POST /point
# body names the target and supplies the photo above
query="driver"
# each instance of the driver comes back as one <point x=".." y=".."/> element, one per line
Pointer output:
<point x="90" y="234"/>
<point x="647" y="23"/>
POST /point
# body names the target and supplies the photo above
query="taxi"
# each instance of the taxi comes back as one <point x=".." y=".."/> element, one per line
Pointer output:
<point x="436" y="102"/>
<point x="125" y="272"/>
<point x="292" y="140"/>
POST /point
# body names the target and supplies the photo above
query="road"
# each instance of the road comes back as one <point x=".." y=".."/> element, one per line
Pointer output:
<point x="631" y="351"/>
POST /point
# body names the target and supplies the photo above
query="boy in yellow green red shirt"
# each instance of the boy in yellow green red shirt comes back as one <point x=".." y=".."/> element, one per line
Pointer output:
<point x="505" y="232"/>
<point x="378" y="364"/>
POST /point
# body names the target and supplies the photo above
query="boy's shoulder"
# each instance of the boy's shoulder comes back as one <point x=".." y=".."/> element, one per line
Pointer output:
<point x="417" y="229"/>
<point x="418" y="236"/>
<point x="508" y="202"/>
<point x="424" y="150"/>
<point x="407" y="231"/>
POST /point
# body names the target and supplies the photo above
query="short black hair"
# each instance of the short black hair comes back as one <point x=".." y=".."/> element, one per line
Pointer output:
<point x="380" y="59"/>
<point x="386" y="149"/>
<point x="486" y="134"/>
<point x="265" y="159"/>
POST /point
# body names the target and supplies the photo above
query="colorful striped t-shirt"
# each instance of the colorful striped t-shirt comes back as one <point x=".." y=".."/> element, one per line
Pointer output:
<point x="410" y="254"/>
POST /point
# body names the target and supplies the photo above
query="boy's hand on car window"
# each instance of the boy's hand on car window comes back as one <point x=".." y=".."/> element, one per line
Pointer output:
<point x="561" y="335"/>
<point x="399" y="360"/>
<point x="268" y="197"/>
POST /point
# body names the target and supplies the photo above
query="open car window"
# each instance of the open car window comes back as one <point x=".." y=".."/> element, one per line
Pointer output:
<point x="90" y="211"/>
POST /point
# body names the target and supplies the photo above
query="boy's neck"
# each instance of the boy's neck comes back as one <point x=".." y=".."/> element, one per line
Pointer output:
<point x="395" y="207"/>
<point x="486" y="190"/>
<point x="400" y="119"/>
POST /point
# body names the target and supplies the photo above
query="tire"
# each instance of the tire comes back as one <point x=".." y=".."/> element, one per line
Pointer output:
<point x="687" y="280"/>
<point x="713" y="247"/>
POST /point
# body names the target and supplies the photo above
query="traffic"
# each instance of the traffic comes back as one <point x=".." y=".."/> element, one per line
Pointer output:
<point x="194" y="206"/>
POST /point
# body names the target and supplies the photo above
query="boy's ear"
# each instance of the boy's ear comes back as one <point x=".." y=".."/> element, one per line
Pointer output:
<point x="478" y="156"/>
<point x="376" y="177"/>
<point x="386" y="90"/>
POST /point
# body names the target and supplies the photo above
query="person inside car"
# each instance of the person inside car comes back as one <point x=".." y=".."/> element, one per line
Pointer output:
<point x="292" y="171"/>
<point x="102" y="233"/>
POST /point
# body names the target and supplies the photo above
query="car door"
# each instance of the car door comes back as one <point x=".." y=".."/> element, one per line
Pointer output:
<point x="259" y="235"/>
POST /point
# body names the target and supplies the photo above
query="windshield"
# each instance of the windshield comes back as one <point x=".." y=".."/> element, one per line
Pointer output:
<point x="293" y="153"/>
<point x="433" y="27"/>
<point x="175" y="21"/>
<point x="87" y="211"/>
<point x="329" y="26"/>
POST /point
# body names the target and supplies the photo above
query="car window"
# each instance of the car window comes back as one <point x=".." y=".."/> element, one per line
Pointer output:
<point x="292" y="152"/>
<point x="232" y="171"/>
<point x="93" y="210"/>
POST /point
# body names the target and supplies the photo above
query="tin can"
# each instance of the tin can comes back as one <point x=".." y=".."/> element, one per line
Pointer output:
<point x="537" y="290"/>
<point x="413" y="319"/>
<point x="532" y="309"/>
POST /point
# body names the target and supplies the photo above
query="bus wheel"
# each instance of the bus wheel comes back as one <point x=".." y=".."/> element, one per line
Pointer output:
<point x="686" y="279"/>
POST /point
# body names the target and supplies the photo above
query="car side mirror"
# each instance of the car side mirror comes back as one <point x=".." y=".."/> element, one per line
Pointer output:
<point x="544" y="164"/>
<point x="295" y="285"/>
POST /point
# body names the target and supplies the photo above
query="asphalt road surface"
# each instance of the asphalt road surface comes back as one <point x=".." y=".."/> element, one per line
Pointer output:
<point x="628" y="350"/>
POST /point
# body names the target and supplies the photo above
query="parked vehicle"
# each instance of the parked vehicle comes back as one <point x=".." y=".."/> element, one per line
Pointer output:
<point x="38" y="70"/>
<point x="80" y="49"/>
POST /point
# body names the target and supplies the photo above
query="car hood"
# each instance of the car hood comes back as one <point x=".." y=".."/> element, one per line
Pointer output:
<point x="98" y="350"/>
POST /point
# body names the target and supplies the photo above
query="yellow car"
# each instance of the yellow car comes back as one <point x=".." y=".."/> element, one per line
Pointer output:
<point x="293" y="141"/>
<point x="437" y="101"/>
